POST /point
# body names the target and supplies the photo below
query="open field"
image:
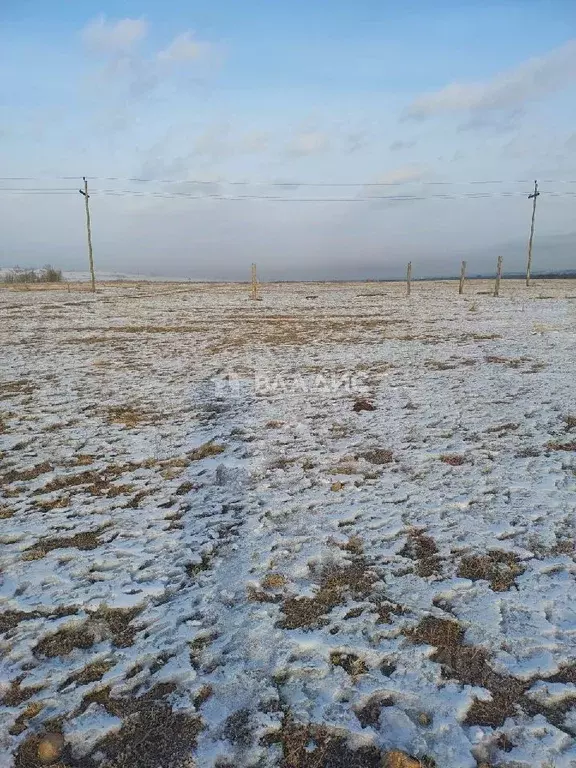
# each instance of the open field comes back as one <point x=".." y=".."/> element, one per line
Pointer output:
<point x="211" y="555"/>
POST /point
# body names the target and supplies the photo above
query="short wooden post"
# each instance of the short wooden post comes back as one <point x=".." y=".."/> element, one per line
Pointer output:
<point x="462" y="277"/>
<point x="254" y="291"/>
<point x="498" y="277"/>
<point x="409" y="278"/>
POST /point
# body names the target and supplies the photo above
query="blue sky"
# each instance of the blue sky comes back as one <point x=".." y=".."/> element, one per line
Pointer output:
<point x="424" y="98"/>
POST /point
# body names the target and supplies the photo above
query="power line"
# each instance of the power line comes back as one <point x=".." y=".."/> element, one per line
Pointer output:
<point x="231" y="182"/>
<point x="278" y="199"/>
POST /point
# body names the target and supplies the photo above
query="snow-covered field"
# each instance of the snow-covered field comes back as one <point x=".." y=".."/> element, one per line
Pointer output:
<point x="299" y="532"/>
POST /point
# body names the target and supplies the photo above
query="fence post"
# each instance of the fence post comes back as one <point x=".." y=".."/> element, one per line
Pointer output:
<point x="498" y="277"/>
<point x="462" y="277"/>
<point x="254" y="286"/>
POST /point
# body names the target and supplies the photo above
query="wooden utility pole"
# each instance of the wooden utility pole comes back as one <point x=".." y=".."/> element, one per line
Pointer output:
<point x="533" y="197"/>
<point x="409" y="278"/>
<point x="254" y="291"/>
<point x="89" y="232"/>
<point x="498" y="277"/>
<point x="462" y="277"/>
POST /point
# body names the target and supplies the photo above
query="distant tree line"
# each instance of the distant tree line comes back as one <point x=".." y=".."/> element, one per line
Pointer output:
<point x="47" y="274"/>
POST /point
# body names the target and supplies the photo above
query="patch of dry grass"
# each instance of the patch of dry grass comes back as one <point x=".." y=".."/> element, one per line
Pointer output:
<point x="470" y="665"/>
<point x="25" y="475"/>
<point x="369" y="713"/>
<point x="16" y="695"/>
<point x="21" y="724"/>
<point x="113" y="624"/>
<point x="152" y="734"/>
<point x="346" y="468"/>
<point x="127" y="415"/>
<point x="386" y="609"/>
<point x="354" y="545"/>
<point x="198" y="646"/>
<point x="509" y="362"/>
<point x="423" y="549"/>
<point x="85" y="540"/>
<point x="88" y="340"/>
<point x="336" y="583"/>
<point x="378" y="456"/>
<point x="282" y="462"/>
<point x="157" y="328"/>
<point x="83" y="459"/>
<point x="292" y="330"/>
<point x="193" y="569"/>
<point x="557" y="446"/>
<point x="97" y="483"/>
<point x="498" y="567"/>
<point x="439" y="365"/>
<point x="350" y="663"/>
<point x="46" y="505"/>
<point x="11" y="619"/>
<point x="9" y="389"/>
<point x="274" y="581"/>
<point x="453" y="459"/>
<point x="361" y="404"/>
<point x="91" y="673"/>
<point x="205" y="450"/>
<point x="500" y="429"/>
<point x="317" y="746"/>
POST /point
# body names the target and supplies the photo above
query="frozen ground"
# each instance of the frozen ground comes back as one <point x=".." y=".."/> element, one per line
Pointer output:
<point x="199" y="569"/>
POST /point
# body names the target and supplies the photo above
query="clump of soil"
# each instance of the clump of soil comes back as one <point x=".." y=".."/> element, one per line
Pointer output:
<point x="363" y="405"/>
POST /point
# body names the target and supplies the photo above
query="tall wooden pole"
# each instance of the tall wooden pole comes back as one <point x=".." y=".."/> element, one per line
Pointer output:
<point x="533" y="197"/>
<point x="89" y="232"/>
<point x="409" y="278"/>
<point x="498" y="277"/>
<point x="462" y="277"/>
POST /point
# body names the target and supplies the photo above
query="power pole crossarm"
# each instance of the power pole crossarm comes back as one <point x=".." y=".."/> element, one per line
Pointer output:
<point x="84" y="192"/>
<point x="533" y="197"/>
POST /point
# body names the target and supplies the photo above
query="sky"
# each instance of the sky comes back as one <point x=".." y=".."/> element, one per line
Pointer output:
<point x="317" y="138"/>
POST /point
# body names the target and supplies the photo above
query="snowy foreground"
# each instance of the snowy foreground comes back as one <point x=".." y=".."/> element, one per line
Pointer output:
<point x="304" y="531"/>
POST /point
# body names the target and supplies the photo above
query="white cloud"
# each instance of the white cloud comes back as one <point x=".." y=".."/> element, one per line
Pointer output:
<point x="571" y="142"/>
<point x="354" y="142"/>
<point x="403" y="175"/>
<point x="252" y="142"/>
<point x="308" y="143"/>
<point x="114" y="37"/>
<point x="396" y="146"/>
<point x="396" y="177"/>
<point x="507" y="91"/>
<point x="185" y="48"/>
<point x="214" y="143"/>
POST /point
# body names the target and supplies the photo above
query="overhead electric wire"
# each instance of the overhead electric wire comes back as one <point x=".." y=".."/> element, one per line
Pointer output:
<point x="363" y="195"/>
<point x="232" y="182"/>
<point x="274" y="198"/>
